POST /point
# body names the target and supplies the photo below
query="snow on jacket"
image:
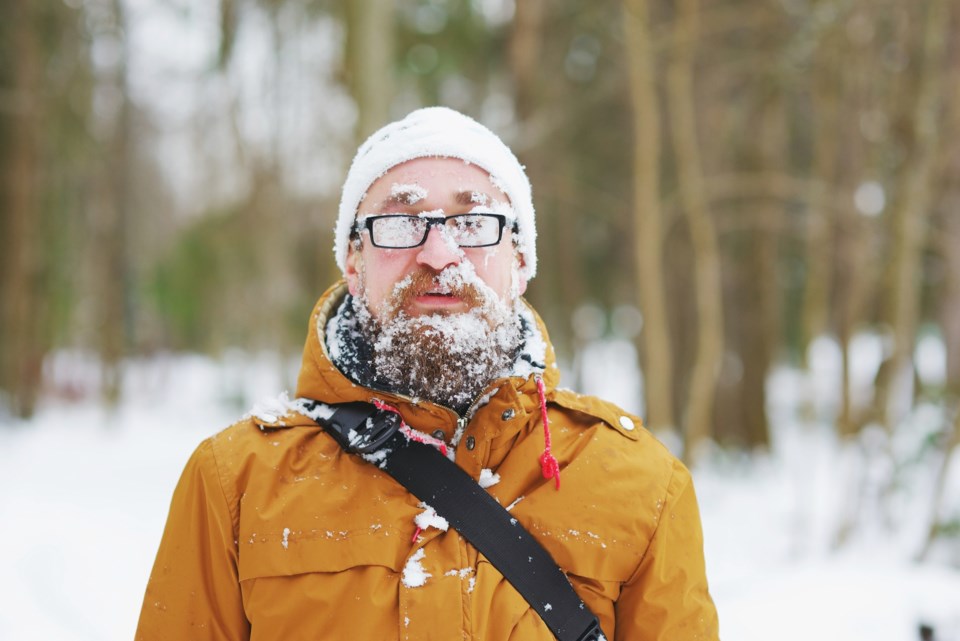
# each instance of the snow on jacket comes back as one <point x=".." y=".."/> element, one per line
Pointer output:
<point x="275" y="533"/>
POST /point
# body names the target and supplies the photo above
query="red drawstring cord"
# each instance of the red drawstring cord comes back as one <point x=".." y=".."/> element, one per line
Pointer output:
<point x="413" y="435"/>
<point x="548" y="462"/>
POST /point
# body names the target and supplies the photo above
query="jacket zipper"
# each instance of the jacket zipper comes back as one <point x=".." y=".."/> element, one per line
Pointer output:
<point x="461" y="419"/>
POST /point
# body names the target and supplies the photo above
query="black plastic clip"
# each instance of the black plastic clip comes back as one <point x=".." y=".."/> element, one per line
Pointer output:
<point x="592" y="633"/>
<point x="361" y="428"/>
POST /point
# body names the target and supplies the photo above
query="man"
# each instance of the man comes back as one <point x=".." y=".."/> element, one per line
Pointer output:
<point x="275" y="532"/>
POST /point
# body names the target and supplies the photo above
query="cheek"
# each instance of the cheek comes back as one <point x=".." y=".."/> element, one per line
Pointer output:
<point x="382" y="272"/>
<point x="387" y="263"/>
<point x="518" y="284"/>
<point x="490" y="256"/>
<point x="495" y="266"/>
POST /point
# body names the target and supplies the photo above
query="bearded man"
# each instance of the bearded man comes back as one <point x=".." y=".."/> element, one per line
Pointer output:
<point x="276" y="532"/>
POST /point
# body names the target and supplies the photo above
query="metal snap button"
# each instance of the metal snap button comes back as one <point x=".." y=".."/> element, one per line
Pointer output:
<point x="626" y="423"/>
<point x="438" y="434"/>
<point x="471" y="442"/>
<point x="508" y="414"/>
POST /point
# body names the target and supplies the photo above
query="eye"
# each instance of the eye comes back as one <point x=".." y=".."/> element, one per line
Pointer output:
<point x="396" y="231"/>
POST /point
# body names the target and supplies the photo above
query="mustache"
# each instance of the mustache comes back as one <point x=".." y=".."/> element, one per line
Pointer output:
<point x="424" y="281"/>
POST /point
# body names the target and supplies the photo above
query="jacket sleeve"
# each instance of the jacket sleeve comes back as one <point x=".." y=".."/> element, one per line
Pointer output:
<point x="667" y="597"/>
<point x="194" y="591"/>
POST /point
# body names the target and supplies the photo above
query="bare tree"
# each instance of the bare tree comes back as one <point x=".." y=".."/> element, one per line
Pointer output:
<point x="524" y="55"/>
<point x="826" y="102"/>
<point x="648" y="223"/>
<point x="21" y="342"/>
<point x="112" y="213"/>
<point x="706" y="256"/>
<point x="949" y="310"/>
<point x="369" y="60"/>
<point x="911" y="213"/>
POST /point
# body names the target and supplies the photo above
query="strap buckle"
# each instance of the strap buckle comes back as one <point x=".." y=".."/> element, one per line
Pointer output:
<point x="593" y="632"/>
<point x="361" y="428"/>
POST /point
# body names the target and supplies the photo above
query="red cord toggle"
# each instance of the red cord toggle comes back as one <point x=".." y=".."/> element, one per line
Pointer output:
<point x="416" y="534"/>
<point x="549" y="466"/>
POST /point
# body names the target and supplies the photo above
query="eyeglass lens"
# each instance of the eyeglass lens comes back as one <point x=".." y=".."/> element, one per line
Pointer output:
<point x="467" y="230"/>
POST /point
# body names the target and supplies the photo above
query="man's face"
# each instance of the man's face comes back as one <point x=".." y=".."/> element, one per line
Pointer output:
<point x="440" y="186"/>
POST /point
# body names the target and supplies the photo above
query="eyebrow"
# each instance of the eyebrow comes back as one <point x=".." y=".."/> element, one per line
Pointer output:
<point x="467" y="197"/>
<point x="401" y="197"/>
<point x="462" y="198"/>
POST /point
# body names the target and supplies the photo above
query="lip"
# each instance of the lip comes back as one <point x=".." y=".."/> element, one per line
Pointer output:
<point x="438" y="300"/>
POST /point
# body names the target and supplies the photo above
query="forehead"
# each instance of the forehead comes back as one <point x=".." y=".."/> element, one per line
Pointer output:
<point x="435" y="181"/>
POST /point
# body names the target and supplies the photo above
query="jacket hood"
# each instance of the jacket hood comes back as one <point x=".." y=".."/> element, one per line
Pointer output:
<point x="321" y="380"/>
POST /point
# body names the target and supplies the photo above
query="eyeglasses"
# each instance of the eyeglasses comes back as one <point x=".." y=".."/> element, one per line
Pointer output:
<point x="403" y="231"/>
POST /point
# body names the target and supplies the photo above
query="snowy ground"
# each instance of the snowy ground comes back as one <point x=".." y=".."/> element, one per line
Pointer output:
<point x="83" y="496"/>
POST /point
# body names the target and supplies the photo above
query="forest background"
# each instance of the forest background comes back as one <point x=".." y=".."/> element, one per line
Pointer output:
<point x="733" y="187"/>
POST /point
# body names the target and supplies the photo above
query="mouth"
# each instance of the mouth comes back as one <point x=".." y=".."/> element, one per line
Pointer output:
<point x="437" y="298"/>
<point x="428" y="293"/>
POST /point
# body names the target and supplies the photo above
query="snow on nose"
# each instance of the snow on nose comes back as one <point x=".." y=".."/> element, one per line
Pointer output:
<point x="439" y="250"/>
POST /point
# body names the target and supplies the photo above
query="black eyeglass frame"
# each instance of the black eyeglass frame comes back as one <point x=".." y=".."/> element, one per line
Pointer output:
<point x="367" y="223"/>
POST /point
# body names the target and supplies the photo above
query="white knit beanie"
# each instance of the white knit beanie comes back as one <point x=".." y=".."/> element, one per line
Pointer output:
<point x="440" y="132"/>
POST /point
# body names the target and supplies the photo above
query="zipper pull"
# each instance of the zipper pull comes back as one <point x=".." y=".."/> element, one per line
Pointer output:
<point x="458" y="433"/>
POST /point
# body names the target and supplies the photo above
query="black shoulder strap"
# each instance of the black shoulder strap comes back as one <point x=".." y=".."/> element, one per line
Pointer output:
<point x="361" y="428"/>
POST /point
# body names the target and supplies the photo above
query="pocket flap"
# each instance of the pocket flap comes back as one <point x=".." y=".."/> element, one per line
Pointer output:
<point x="290" y="552"/>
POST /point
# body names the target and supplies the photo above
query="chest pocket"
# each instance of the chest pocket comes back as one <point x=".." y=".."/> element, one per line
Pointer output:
<point x="597" y="526"/>
<point x="316" y="567"/>
<point x="327" y="523"/>
<point x="338" y="582"/>
<point x="591" y="553"/>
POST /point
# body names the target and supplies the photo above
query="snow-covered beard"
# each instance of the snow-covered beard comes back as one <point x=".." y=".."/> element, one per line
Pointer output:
<point x="446" y="358"/>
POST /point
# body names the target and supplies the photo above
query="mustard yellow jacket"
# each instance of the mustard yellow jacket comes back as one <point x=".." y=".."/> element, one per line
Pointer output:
<point x="275" y="533"/>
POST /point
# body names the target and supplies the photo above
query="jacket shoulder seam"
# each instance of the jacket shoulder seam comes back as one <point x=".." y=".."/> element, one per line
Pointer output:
<point x="232" y="506"/>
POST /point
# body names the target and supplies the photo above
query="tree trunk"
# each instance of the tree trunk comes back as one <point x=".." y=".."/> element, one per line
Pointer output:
<point x="698" y="418"/>
<point x="851" y="300"/>
<point x="819" y="255"/>
<point x="949" y="313"/>
<point x="950" y="305"/>
<point x="755" y="350"/>
<point x="760" y="315"/>
<point x="22" y="344"/>
<point x="370" y="42"/>
<point x="524" y="55"/>
<point x="910" y="215"/>
<point x="116" y="325"/>
<point x="648" y="224"/>
<point x="852" y="275"/>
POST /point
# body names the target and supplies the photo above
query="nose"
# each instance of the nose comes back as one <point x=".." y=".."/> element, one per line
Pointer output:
<point x="437" y="252"/>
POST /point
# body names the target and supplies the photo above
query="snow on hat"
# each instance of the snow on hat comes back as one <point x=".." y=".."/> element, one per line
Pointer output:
<point x="440" y="132"/>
